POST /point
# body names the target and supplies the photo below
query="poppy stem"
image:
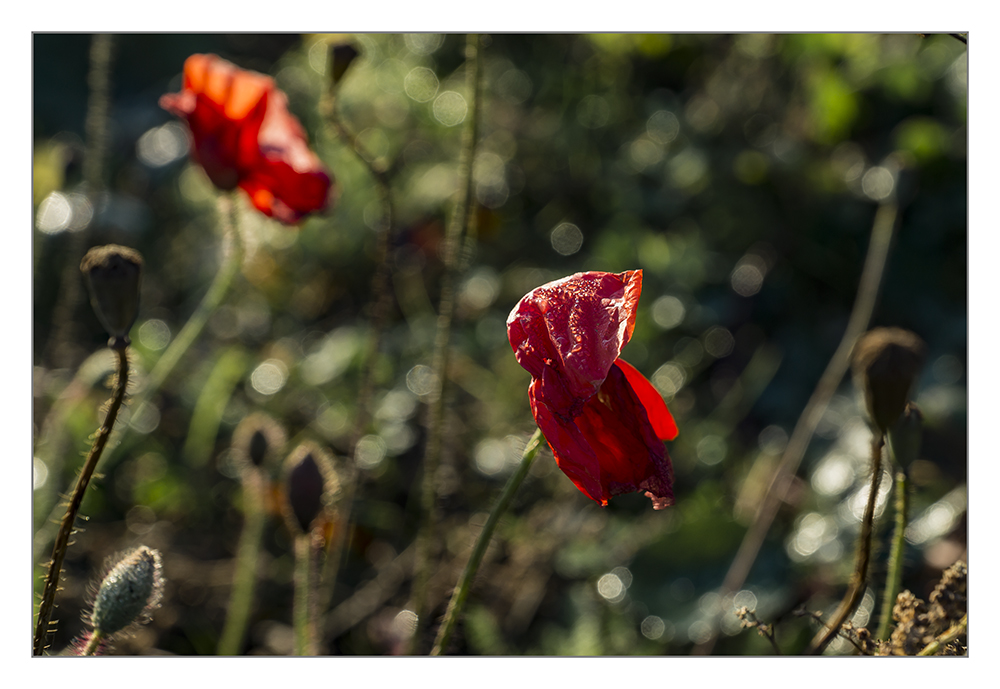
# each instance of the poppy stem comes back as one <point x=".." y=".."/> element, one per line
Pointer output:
<point x="66" y="527"/>
<point x="894" y="578"/>
<point x="869" y="286"/>
<point x="461" y="593"/>
<point x="232" y="260"/>
<point x="307" y="547"/>
<point x="457" y="228"/>
<point x="863" y="559"/>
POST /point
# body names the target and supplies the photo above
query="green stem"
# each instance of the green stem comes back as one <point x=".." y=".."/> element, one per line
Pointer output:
<point x="862" y="560"/>
<point x="303" y="619"/>
<point x="458" y="598"/>
<point x="66" y="527"/>
<point x="232" y="259"/>
<point x="245" y="576"/>
<point x="894" y="579"/>
<point x="435" y="422"/>
<point x="93" y="644"/>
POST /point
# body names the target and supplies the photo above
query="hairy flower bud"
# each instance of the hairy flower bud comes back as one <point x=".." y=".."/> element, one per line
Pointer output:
<point x="256" y="440"/>
<point x="130" y="589"/>
<point x="885" y="364"/>
<point x="112" y="273"/>
<point x="310" y="482"/>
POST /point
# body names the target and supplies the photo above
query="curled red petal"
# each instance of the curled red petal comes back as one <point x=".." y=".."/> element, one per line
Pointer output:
<point x="609" y="447"/>
<point x="659" y="416"/>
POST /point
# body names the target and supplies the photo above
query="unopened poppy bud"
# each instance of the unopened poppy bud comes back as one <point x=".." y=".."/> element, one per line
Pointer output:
<point x="309" y="483"/>
<point x="905" y="435"/>
<point x="112" y="273"/>
<point x="256" y="440"/>
<point x="885" y="363"/>
<point x="131" y="588"/>
<point x="341" y="57"/>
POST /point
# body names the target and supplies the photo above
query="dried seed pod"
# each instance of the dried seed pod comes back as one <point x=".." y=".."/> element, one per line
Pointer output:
<point x="906" y="434"/>
<point x="112" y="273"/>
<point x="885" y="364"/>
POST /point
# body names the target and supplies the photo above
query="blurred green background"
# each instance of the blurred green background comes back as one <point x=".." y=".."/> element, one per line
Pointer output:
<point x="740" y="172"/>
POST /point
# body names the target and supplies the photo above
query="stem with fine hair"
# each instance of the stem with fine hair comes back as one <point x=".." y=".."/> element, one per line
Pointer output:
<point x="307" y="547"/>
<point x="232" y="260"/>
<point x="863" y="559"/>
<point x="894" y="578"/>
<point x="254" y="487"/>
<point x="457" y="228"/>
<point x="461" y="593"/>
<point x="66" y="527"/>
<point x="869" y="287"/>
<point x="381" y="302"/>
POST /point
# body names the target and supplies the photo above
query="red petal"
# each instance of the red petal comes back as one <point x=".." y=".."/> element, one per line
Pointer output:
<point x="244" y="135"/>
<point x="659" y="416"/>
<point x="577" y="325"/>
<point x="609" y="447"/>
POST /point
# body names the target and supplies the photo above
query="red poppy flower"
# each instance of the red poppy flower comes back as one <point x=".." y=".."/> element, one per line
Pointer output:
<point x="245" y="136"/>
<point x="603" y="420"/>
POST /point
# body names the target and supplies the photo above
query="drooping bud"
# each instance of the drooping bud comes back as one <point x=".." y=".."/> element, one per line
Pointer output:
<point x="885" y="364"/>
<point x="341" y="57"/>
<point x="130" y="590"/>
<point x="112" y="273"/>
<point x="310" y="484"/>
<point x="256" y="440"/>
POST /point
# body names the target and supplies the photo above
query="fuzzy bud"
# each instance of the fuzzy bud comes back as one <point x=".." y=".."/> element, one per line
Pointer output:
<point x="256" y="440"/>
<point x="309" y="484"/>
<point x="341" y="57"/>
<point x="885" y="364"/>
<point x="130" y="589"/>
<point x="112" y="273"/>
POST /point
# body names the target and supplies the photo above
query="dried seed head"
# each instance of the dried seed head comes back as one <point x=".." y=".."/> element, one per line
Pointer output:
<point x="310" y="485"/>
<point x="885" y="363"/>
<point x="257" y="439"/>
<point x="112" y="273"/>
<point x="129" y="592"/>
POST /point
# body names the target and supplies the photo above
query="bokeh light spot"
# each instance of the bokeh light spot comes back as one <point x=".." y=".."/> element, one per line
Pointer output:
<point x="269" y="377"/>
<point x="611" y="588"/>
<point x="154" y="334"/>
<point x="566" y="238"/>
<point x="450" y="108"/>
<point x="421" y="84"/>
<point x="668" y="312"/>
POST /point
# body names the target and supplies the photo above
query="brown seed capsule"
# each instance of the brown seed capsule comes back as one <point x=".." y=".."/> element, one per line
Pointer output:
<point x="885" y="364"/>
<point x="112" y="273"/>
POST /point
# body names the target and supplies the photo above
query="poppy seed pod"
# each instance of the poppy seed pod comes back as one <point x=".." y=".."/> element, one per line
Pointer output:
<point x="905" y="435"/>
<point x="112" y="273"/>
<point x="885" y="364"/>
<point x="309" y="483"/>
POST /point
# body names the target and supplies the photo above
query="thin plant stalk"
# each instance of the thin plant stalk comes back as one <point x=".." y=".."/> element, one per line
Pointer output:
<point x="307" y="548"/>
<point x="869" y="287"/>
<point x="247" y="555"/>
<point x="862" y="560"/>
<point x="232" y="259"/>
<point x="457" y="228"/>
<point x="66" y="527"/>
<point x="461" y="593"/>
<point x="381" y="301"/>
<point x="950" y="635"/>
<point x="894" y="578"/>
